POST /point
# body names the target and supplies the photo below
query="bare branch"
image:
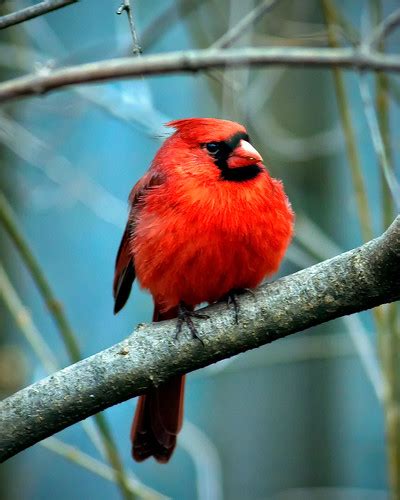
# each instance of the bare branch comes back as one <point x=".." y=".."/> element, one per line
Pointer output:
<point x="192" y="61"/>
<point x="11" y="226"/>
<point x="24" y="321"/>
<point x="166" y="20"/>
<point x="351" y="282"/>
<point x="33" y="11"/>
<point x="377" y="141"/>
<point x="73" y="180"/>
<point x="126" y="6"/>
<point x="384" y="29"/>
<point x="103" y="470"/>
<point x="230" y="37"/>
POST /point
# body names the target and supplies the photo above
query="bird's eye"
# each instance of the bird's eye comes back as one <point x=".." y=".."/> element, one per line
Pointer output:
<point x="212" y="147"/>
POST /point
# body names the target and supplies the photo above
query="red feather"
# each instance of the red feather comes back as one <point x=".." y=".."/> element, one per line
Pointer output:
<point x="159" y="415"/>
<point x="194" y="236"/>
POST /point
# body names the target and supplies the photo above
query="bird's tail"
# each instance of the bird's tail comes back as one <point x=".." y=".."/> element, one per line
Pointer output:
<point x="159" y="414"/>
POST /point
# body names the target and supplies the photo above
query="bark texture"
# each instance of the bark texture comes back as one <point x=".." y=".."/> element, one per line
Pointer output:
<point x="353" y="281"/>
<point x="193" y="61"/>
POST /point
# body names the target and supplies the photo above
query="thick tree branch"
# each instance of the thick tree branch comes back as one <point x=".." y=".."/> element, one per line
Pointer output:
<point x="192" y="61"/>
<point x="33" y="11"/>
<point x="353" y="281"/>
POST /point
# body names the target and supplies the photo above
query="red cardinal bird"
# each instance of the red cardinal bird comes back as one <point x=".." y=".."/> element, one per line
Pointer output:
<point x="205" y="220"/>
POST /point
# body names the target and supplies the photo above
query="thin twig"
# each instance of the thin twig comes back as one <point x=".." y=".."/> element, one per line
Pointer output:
<point x="349" y="135"/>
<point x="391" y="22"/>
<point x="390" y="351"/>
<point x="366" y="354"/>
<point x="167" y="19"/>
<point x="10" y="224"/>
<point x="387" y="353"/>
<point x="234" y="81"/>
<point x="84" y="460"/>
<point x="60" y="170"/>
<point x="230" y="37"/>
<point x="394" y="88"/>
<point x="27" y="13"/>
<point x="105" y="99"/>
<point x="24" y="321"/>
<point x="364" y="212"/>
<point x="206" y="461"/>
<point x="193" y="61"/>
<point x="26" y="325"/>
<point x="126" y="6"/>
<point x="377" y="141"/>
<point x="350" y="33"/>
<point x="388" y="339"/>
<point x="320" y="245"/>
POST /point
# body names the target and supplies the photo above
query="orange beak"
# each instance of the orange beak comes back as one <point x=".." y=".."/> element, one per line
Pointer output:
<point x="243" y="155"/>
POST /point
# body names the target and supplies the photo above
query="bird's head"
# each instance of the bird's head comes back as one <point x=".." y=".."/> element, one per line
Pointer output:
<point x="221" y="143"/>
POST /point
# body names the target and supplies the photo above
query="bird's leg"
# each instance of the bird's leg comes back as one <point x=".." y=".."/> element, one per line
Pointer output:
<point x="185" y="315"/>
<point x="233" y="298"/>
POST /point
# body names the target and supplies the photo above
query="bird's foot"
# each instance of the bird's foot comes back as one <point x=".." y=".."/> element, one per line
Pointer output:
<point x="233" y="298"/>
<point x="185" y="315"/>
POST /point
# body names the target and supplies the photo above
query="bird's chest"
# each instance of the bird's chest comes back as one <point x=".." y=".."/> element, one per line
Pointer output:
<point x="196" y="248"/>
<point x="210" y="225"/>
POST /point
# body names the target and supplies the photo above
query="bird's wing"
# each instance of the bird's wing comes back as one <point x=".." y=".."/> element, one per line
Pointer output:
<point x="124" y="265"/>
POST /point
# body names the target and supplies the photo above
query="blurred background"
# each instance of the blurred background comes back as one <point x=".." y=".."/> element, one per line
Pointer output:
<point x="303" y="418"/>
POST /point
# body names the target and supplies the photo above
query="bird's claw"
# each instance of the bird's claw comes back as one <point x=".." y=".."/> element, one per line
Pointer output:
<point x="185" y="315"/>
<point x="233" y="298"/>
